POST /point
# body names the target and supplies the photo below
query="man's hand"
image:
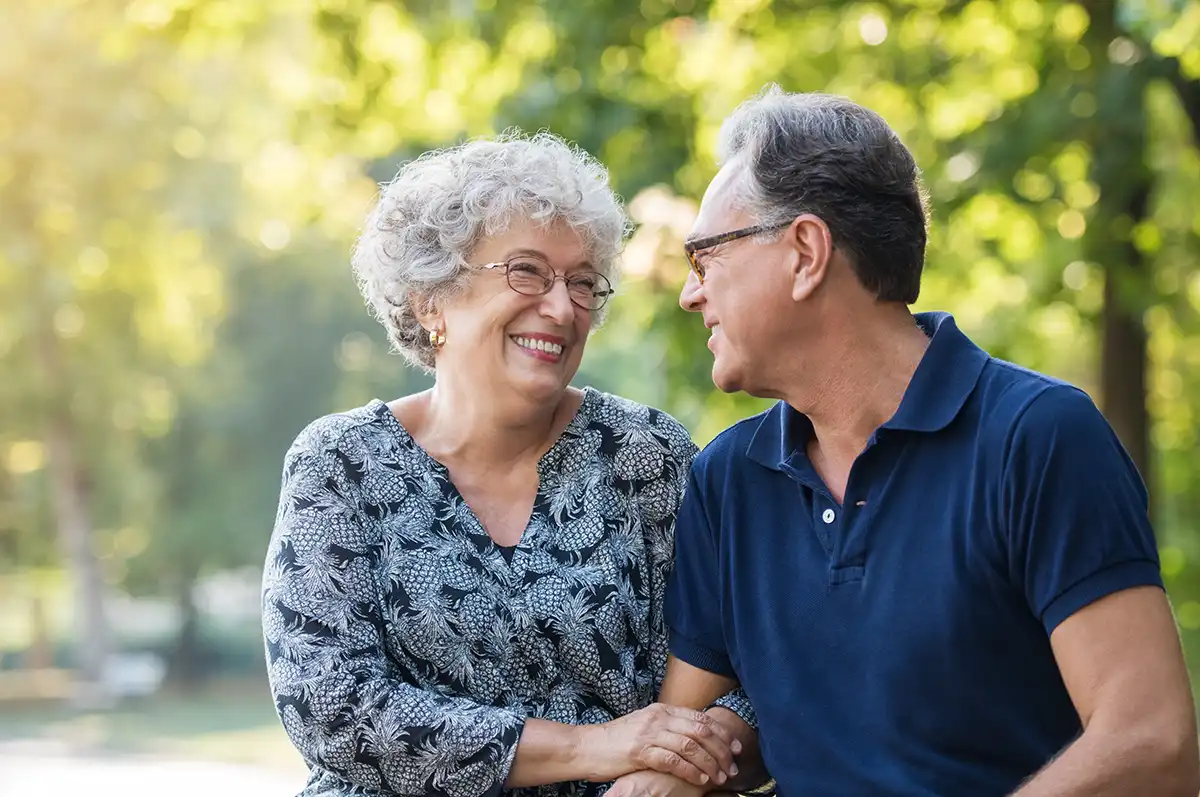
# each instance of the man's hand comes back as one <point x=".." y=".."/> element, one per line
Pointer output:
<point x="653" y="784"/>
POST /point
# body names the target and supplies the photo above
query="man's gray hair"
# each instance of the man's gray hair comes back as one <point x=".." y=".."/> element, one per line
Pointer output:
<point x="826" y="155"/>
<point x="427" y="222"/>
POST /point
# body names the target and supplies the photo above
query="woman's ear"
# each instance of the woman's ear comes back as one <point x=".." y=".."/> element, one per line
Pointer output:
<point x="426" y="309"/>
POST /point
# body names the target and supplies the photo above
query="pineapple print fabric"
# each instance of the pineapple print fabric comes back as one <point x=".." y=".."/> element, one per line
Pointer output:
<point x="406" y="649"/>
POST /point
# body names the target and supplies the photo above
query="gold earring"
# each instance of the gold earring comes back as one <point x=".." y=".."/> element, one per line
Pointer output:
<point x="437" y="338"/>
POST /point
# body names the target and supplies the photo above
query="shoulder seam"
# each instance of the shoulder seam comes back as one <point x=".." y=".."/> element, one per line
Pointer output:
<point x="1010" y="434"/>
<point x="354" y="425"/>
<point x="1038" y="376"/>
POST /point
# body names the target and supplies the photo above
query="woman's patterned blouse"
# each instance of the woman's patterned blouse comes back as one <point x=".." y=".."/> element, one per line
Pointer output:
<point x="405" y="648"/>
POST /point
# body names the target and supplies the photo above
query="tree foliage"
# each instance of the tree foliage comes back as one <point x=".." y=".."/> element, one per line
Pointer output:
<point x="181" y="180"/>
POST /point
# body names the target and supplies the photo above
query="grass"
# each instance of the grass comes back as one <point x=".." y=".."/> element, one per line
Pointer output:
<point x="230" y="722"/>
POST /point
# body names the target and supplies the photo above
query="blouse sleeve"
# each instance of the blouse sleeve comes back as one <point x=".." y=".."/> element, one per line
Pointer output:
<point x="341" y="699"/>
<point x="661" y="547"/>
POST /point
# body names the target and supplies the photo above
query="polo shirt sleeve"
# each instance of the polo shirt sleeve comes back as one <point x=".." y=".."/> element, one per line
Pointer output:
<point x="693" y="600"/>
<point x="1077" y="519"/>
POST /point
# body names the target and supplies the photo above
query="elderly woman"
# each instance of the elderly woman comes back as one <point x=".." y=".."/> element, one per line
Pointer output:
<point x="463" y="593"/>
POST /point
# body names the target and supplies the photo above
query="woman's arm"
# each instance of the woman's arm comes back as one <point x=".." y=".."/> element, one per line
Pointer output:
<point x="335" y="689"/>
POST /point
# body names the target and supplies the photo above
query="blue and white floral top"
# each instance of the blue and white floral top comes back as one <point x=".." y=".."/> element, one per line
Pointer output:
<point x="406" y="648"/>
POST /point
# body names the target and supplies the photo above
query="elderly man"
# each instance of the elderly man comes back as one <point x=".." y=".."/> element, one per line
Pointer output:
<point x="932" y="571"/>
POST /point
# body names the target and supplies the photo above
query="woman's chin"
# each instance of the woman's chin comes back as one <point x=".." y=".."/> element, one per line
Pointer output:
<point x="542" y="385"/>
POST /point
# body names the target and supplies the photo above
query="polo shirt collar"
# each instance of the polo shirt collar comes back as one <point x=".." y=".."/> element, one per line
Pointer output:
<point x="940" y="386"/>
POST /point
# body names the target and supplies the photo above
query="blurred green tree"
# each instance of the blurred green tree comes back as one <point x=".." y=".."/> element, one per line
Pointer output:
<point x="106" y="296"/>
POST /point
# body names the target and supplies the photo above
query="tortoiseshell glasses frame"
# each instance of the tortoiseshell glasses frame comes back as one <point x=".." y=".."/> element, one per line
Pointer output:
<point x="692" y="248"/>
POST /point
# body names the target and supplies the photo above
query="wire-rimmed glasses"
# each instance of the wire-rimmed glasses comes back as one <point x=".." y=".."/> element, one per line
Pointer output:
<point x="530" y="276"/>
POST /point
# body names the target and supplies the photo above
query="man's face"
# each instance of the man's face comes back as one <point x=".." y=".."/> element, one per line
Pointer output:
<point x="746" y="293"/>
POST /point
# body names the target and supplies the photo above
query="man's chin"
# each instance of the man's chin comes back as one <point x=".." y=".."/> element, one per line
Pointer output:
<point x="725" y="381"/>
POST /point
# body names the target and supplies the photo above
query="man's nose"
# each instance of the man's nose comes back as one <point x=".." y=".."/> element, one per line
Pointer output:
<point x="692" y="295"/>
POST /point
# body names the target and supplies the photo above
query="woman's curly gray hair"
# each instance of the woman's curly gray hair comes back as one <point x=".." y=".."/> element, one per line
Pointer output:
<point x="432" y="216"/>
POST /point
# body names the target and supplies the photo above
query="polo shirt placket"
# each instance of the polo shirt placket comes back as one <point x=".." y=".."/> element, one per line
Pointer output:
<point x="843" y="529"/>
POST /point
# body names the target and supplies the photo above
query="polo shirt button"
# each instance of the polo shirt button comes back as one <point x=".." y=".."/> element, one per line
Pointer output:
<point x="827" y="516"/>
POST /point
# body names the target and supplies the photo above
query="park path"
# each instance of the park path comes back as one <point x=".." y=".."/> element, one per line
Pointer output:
<point x="38" y="770"/>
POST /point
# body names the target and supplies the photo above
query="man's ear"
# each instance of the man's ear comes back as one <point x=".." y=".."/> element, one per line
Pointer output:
<point x="812" y="245"/>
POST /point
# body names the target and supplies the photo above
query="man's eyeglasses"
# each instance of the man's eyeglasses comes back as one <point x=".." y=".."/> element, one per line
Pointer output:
<point x="692" y="248"/>
<point x="532" y="277"/>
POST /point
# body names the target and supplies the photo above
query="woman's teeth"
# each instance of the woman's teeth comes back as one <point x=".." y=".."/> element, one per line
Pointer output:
<point x="539" y="345"/>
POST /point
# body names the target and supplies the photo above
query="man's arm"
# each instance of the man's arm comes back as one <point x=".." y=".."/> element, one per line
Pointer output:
<point x="1082" y="551"/>
<point x="1121" y="661"/>
<point x="692" y="687"/>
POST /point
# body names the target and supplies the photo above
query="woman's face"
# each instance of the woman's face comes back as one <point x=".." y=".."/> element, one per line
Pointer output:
<point x="508" y="342"/>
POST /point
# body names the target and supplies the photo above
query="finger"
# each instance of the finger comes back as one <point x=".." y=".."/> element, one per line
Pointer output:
<point x="696" y="752"/>
<point x="704" y="718"/>
<point x="712" y="738"/>
<point x="665" y="760"/>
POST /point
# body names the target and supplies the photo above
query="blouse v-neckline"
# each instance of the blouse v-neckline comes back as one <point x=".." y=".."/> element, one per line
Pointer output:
<point x="574" y="429"/>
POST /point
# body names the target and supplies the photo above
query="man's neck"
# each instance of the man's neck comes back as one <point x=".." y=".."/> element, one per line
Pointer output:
<point x="857" y="380"/>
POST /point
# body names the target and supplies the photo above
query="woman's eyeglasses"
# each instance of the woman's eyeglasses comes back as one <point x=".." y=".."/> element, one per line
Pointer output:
<point x="532" y="277"/>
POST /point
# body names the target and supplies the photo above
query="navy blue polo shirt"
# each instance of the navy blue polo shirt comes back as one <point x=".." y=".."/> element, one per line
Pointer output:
<point x="898" y="643"/>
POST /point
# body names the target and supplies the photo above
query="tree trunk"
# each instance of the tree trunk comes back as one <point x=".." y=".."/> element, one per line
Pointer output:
<point x="1119" y="170"/>
<point x="41" y="650"/>
<point x="186" y="666"/>
<point x="1123" y="365"/>
<point x="73" y="513"/>
<point x="72" y="509"/>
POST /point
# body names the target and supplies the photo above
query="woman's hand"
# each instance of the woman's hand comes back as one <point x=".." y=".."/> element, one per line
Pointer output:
<point x="654" y="784"/>
<point x="676" y="741"/>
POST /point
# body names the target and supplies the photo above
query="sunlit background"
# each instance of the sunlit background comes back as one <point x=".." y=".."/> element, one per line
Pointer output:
<point x="181" y="181"/>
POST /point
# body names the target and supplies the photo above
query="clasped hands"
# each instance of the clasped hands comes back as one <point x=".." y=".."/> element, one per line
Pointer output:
<point x="661" y="750"/>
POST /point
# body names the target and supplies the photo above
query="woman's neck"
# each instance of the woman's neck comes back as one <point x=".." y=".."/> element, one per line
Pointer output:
<point x="464" y="426"/>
